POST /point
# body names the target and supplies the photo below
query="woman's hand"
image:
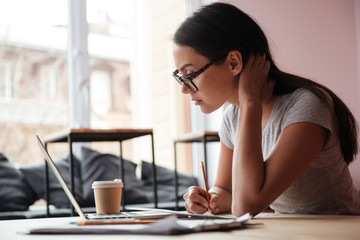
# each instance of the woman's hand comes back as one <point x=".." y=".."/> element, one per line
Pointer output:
<point x="220" y="200"/>
<point x="195" y="200"/>
<point x="253" y="81"/>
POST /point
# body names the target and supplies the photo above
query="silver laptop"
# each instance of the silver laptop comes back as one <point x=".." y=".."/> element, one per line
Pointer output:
<point x="128" y="216"/>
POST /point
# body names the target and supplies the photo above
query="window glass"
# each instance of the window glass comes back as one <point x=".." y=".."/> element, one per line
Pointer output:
<point x="130" y="59"/>
<point x="110" y="41"/>
<point x="130" y="48"/>
<point x="33" y="87"/>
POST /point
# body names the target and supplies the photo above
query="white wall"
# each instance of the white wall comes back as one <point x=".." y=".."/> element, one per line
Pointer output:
<point x="315" y="39"/>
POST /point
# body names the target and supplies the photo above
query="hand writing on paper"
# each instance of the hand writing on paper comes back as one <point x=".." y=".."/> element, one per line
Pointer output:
<point x="196" y="202"/>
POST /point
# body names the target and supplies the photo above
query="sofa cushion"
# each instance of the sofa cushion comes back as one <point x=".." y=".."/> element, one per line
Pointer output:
<point x="35" y="176"/>
<point x="166" y="183"/>
<point x="15" y="193"/>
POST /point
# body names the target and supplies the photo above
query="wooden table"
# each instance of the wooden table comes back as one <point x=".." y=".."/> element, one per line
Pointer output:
<point x="281" y="226"/>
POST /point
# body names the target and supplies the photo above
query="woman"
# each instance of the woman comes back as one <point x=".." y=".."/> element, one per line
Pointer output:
<point x="280" y="139"/>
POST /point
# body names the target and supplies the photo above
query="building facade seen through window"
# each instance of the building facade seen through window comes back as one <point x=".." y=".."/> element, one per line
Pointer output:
<point x="130" y="58"/>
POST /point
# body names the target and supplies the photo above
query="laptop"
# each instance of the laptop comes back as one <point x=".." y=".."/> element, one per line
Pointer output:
<point x="128" y="216"/>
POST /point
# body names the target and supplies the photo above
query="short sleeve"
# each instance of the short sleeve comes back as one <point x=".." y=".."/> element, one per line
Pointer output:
<point x="305" y="106"/>
<point x="228" y="126"/>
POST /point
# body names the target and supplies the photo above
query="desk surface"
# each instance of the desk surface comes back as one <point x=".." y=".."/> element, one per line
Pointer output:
<point x="281" y="226"/>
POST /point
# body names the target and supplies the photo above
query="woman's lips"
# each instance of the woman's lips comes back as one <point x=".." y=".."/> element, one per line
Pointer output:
<point x="196" y="101"/>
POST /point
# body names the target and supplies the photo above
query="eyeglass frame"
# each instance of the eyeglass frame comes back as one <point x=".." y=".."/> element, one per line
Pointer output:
<point x="189" y="77"/>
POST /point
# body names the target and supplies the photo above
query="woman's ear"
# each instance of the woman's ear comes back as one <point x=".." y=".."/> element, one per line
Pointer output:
<point x="236" y="63"/>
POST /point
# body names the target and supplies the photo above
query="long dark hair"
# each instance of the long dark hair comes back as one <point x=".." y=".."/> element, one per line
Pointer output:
<point x="219" y="28"/>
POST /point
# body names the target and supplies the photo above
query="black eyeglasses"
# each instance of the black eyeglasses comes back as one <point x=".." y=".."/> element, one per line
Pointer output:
<point x="187" y="79"/>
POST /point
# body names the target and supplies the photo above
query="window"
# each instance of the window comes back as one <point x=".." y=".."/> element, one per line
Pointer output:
<point x="100" y="92"/>
<point x="130" y="59"/>
<point x="33" y="87"/>
<point x="7" y="76"/>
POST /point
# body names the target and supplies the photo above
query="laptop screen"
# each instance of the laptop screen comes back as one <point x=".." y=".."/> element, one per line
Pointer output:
<point x="60" y="178"/>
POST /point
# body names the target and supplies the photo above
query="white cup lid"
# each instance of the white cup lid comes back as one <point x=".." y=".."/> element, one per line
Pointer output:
<point x="107" y="184"/>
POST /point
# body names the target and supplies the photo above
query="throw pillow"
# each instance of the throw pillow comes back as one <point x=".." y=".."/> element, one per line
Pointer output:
<point x="15" y="193"/>
<point x="35" y="176"/>
<point x="166" y="182"/>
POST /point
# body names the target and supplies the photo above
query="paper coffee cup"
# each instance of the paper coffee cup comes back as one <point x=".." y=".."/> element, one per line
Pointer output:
<point x="107" y="196"/>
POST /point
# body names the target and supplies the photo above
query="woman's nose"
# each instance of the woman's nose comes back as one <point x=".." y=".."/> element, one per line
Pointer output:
<point x="185" y="89"/>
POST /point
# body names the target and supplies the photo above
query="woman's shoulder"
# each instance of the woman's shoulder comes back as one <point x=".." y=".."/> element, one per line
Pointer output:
<point x="230" y="115"/>
<point x="231" y="110"/>
<point x="302" y="96"/>
<point x="301" y="93"/>
<point x="303" y="105"/>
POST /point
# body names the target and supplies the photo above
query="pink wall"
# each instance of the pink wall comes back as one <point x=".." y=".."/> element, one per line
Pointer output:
<point x="315" y="39"/>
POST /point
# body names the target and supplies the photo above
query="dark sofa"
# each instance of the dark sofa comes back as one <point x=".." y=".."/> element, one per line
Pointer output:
<point x="20" y="188"/>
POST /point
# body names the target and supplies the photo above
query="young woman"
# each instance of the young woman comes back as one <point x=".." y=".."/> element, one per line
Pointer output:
<point x="286" y="141"/>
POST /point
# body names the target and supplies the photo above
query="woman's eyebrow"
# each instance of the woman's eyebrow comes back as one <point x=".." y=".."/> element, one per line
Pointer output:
<point x="185" y="66"/>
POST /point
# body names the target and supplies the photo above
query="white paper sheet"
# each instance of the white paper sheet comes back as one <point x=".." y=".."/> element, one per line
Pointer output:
<point x="167" y="226"/>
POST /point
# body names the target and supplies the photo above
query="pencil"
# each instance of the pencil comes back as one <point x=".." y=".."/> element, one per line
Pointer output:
<point x="83" y="223"/>
<point x="206" y="186"/>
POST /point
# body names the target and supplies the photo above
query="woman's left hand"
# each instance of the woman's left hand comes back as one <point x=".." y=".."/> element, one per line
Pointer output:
<point x="220" y="200"/>
<point x="253" y="80"/>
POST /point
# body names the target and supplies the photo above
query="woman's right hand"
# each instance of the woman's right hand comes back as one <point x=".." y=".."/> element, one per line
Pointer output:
<point x="195" y="200"/>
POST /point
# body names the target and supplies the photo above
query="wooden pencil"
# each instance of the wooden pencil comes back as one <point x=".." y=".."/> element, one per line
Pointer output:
<point x="206" y="186"/>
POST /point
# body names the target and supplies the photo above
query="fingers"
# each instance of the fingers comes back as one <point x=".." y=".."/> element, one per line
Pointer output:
<point x="264" y="64"/>
<point x="253" y="80"/>
<point x="259" y="61"/>
<point x="213" y="204"/>
<point x="259" y="66"/>
<point x="195" y="200"/>
<point x="250" y="60"/>
<point x="267" y="66"/>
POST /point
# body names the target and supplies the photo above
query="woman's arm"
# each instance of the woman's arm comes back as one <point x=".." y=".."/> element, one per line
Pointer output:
<point x="255" y="183"/>
<point x="220" y="193"/>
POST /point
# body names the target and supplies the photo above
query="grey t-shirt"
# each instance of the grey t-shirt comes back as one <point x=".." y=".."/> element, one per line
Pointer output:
<point x="325" y="187"/>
